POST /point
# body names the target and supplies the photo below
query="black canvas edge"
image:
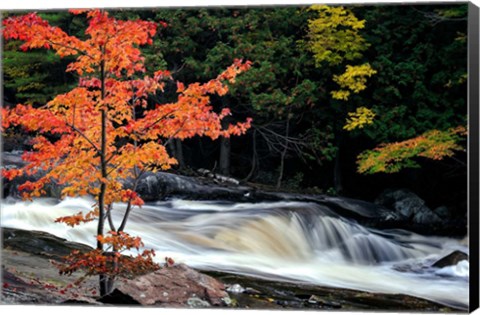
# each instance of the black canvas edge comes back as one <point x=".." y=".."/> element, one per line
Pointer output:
<point x="473" y="152"/>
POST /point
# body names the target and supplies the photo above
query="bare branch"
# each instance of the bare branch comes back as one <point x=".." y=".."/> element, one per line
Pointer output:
<point x="81" y="52"/>
<point x="83" y="136"/>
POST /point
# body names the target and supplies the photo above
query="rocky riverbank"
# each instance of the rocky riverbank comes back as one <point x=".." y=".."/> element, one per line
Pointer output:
<point x="29" y="277"/>
<point x="393" y="209"/>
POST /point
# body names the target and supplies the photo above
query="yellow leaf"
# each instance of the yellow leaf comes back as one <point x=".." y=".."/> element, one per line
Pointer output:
<point x="359" y="119"/>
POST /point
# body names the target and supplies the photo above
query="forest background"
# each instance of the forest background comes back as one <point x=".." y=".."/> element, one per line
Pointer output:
<point x="308" y="128"/>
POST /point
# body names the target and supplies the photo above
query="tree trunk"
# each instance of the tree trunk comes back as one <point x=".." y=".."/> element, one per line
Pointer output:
<point x="337" y="168"/>
<point x="224" y="163"/>
<point x="171" y="148"/>
<point x="282" y="165"/>
<point x="224" y="158"/>
<point x="104" y="281"/>
<point x="101" y="200"/>
<point x="254" y="157"/>
<point x="176" y="151"/>
<point x="179" y="153"/>
<point x="284" y="153"/>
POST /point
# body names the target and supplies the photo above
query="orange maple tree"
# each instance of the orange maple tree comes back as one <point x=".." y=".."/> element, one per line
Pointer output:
<point x="104" y="132"/>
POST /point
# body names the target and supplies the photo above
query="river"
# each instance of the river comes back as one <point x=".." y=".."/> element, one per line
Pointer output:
<point x="289" y="241"/>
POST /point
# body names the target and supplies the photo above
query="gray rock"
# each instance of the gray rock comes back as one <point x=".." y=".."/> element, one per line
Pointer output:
<point x="252" y="291"/>
<point x="236" y="288"/>
<point x="227" y="301"/>
<point x="443" y="212"/>
<point x="403" y="201"/>
<point x="451" y="259"/>
<point x="426" y="216"/>
<point x="81" y="300"/>
<point x="323" y="302"/>
<point x="195" y="302"/>
<point x="405" y="207"/>
<point x="157" y="186"/>
<point x="408" y="206"/>
<point x="40" y="243"/>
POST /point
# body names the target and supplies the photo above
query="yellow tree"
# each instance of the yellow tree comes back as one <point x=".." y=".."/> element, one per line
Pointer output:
<point x="335" y="40"/>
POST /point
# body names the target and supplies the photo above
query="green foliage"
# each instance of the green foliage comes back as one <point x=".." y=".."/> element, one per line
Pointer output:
<point x="294" y="182"/>
<point x="459" y="12"/>
<point x="282" y="82"/>
<point x="331" y="191"/>
<point x="34" y="77"/>
<point x="421" y="64"/>
<point x="29" y="75"/>
<point x="323" y="139"/>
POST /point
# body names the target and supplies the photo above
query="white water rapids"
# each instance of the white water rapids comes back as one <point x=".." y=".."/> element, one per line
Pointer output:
<point x="290" y="241"/>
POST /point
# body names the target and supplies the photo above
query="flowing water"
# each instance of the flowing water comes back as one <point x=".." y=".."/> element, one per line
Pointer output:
<point x="290" y="241"/>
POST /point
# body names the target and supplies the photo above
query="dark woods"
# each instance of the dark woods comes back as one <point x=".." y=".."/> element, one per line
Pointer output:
<point x="297" y="141"/>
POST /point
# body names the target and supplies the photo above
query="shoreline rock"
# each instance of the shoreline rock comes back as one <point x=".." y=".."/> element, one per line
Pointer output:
<point x="451" y="259"/>
<point x="175" y="286"/>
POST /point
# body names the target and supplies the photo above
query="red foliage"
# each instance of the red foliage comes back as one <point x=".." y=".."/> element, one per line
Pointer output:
<point x="111" y="262"/>
<point x="104" y="130"/>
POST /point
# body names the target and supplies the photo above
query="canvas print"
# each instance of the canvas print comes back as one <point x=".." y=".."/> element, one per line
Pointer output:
<point x="266" y="157"/>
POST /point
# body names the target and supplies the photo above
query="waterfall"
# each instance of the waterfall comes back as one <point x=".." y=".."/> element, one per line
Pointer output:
<point x="294" y="241"/>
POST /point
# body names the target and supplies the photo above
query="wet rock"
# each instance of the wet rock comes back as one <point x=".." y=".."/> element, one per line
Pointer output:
<point x="451" y="259"/>
<point x="408" y="206"/>
<point x="351" y="208"/>
<point x="228" y="301"/>
<point x="195" y="302"/>
<point x="252" y="291"/>
<point x="81" y="300"/>
<point x="170" y="287"/>
<point x="323" y="302"/>
<point x="12" y="159"/>
<point x="411" y="267"/>
<point x="235" y="288"/>
<point x="426" y="216"/>
<point x="118" y="297"/>
<point x="158" y="186"/>
<point x="40" y="243"/>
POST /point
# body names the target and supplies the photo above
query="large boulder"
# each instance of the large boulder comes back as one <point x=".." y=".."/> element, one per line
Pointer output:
<point x="175" y="286"/>
<point x="157" y="186"/>
<point x="443" y="212"/>
<point x="40" y="243"/>
<point x="14" y="159"/>
<point x="151" y="186"/>
<point x="451" y="259"/>
<point x="409" y="207"/>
